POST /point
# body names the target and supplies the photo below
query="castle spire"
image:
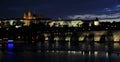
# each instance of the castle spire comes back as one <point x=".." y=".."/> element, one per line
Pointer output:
<point x="29" y="15"/>
<point x="25" y="15"/>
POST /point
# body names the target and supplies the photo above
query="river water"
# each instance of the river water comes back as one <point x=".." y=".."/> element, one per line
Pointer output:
<point x="61" y="52"/>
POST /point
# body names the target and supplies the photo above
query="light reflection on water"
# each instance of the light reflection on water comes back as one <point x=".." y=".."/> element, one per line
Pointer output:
<point x="58" y="56"/>
<point x="60" y="51"/>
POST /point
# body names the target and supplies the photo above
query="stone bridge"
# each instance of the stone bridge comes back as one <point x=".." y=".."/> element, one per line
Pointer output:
<point x="88" y="36"/>
<point x="100" y="36"/>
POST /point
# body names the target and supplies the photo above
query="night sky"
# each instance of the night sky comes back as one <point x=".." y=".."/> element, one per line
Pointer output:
<point x="67" y="9"/>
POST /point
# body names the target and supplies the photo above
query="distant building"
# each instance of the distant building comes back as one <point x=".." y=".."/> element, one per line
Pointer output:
<point x="68" y="23"/>
<point x="31" y="17"/>
<point x="96" y="22"/>
<point x="28" y="16"/>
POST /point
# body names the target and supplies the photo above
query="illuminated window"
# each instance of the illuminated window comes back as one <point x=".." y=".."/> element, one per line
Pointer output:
<point x="51" y="23"/>
<point x="46" y="38"/>
<point x="19" y="37"/>
<point x="116" y="37"/>
<point x="17" y="26"/>
<point x="81" y="38"/>
<point x="96" y="38"/>
<point x="96" y="23"/>
<point x="90" y="24"/>
<point x="67" y="38"/>
<point x="56" y="38"/>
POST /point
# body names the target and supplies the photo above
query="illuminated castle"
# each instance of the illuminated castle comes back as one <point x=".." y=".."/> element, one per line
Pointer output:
<point x="28" y="16"/>
<point x="31" y="17"/>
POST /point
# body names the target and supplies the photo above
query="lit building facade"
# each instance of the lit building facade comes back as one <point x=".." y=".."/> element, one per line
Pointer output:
<point x="92" y="30"/>
<point x="28" y="18"/>
<point x="68" y="23"/>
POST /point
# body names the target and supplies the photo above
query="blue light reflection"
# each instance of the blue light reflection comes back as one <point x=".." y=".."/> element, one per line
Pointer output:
<point x="10" y="46"/>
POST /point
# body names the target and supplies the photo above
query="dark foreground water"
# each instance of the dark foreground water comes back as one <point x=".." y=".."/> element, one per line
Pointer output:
<point x="65" y="52"/>
<point x="59" y="56"/>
